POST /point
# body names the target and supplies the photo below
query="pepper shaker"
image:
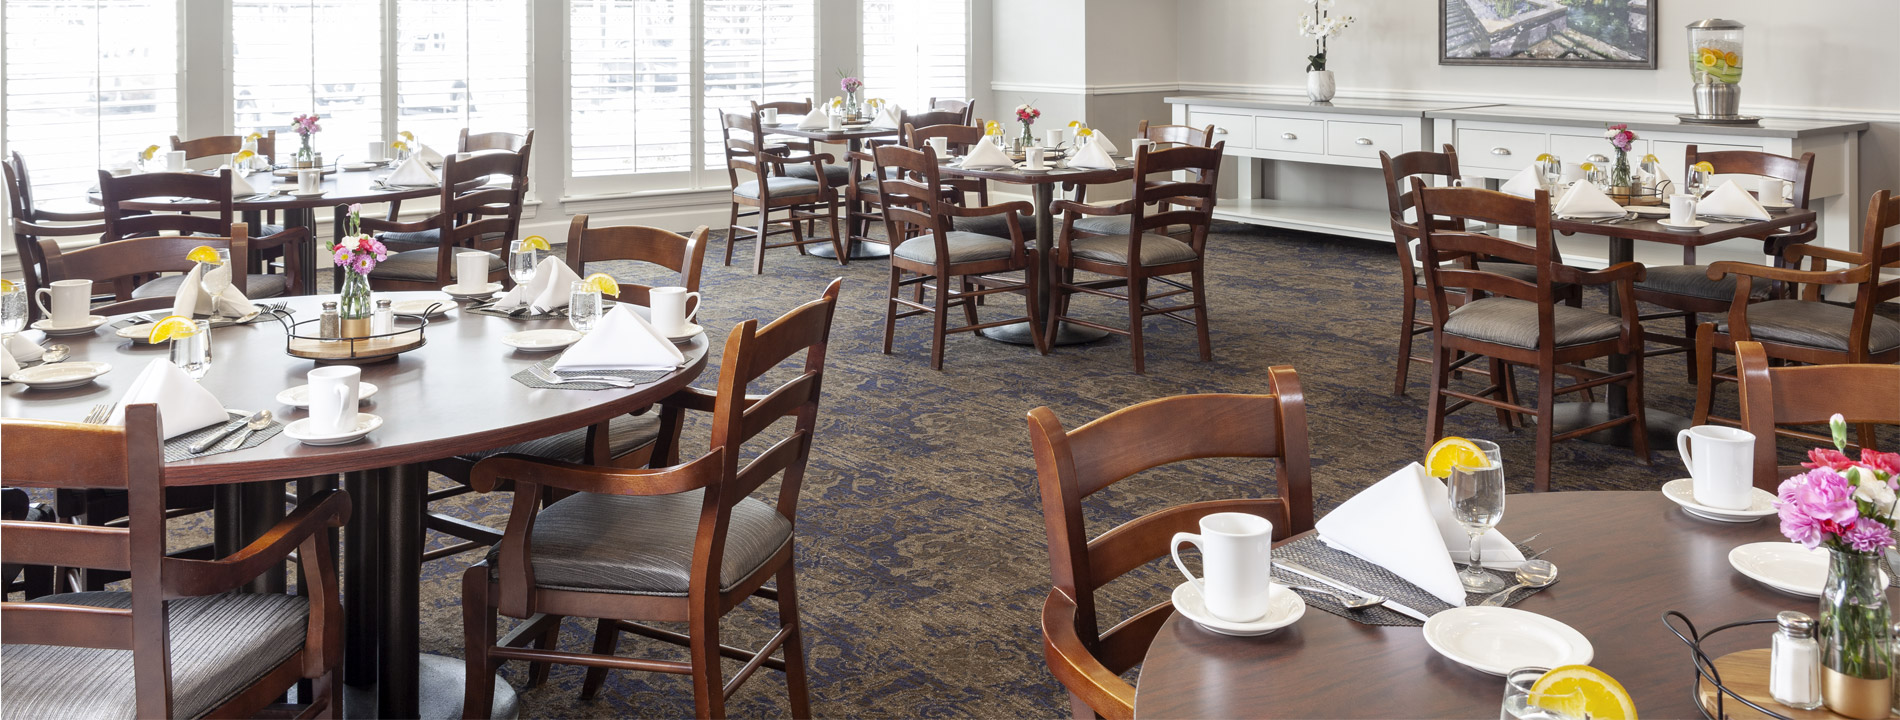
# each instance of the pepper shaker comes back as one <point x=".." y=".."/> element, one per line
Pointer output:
<point x="330" y="326"/>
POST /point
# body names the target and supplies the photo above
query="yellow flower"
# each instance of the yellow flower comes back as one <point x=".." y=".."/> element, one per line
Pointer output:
<point x="148" y="152"/>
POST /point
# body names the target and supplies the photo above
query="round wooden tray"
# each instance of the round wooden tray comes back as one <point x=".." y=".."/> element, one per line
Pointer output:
<point x="355" y="351"/>
<point x="292" y="172"/>
<point x="1746" y="674"/>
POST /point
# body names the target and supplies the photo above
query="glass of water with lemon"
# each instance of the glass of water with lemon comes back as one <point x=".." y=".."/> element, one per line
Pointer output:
<point x="583" y="300"/>
<point x="524" y="255"/>
<point x="1570" y="692"/>
<point x="190" y="343"/>
<point x="12" y="307"/>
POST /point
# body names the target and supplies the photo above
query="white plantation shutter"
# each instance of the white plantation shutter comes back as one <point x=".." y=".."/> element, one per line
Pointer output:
<point x="90" y="83"/>
<point x="915" y="50"/>
<point x="292" y="57"/>
<point x="461" y="64"/>
<point x="630" y="87"/>
<point x="761" y="50"/>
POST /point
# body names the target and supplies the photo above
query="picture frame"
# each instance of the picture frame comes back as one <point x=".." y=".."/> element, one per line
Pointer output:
<point x="1616" y="34"/>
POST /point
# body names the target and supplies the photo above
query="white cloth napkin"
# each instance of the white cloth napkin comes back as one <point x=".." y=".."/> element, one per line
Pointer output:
<point x="1403" y="524"/>
<point x="183" y="404"/>
<point x="1524" y="184"/>
<point x="814" y="120"/>
<point x="986" y="155"/>
<point x="1093" y="156"/>
<point x="1584" y="200"/>
<point x="192" y="299"/>
<point x="547" y="290"/>
<point x="621" y="341"/>
<point x="22" y="349"/>
<point x="1731" y="199"/>
<point x="412" y="172"/>
<point x="1108" y="146"/>
<point x="1656" y="179"/>
<point x="239" y="186"/>
<point x="428" y="154"/>
<point x="8" y="365"/>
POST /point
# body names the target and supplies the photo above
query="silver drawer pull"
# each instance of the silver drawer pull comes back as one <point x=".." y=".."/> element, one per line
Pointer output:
<point x="1500" y="151"/>
<point x="1218" y="130"/>
<point x="1364" y="141"/>
<point x="1289" y="136"/>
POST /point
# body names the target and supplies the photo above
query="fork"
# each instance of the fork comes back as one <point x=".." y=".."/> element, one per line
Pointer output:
<point x="100" y="413"/>
<point x="548" y="376"/>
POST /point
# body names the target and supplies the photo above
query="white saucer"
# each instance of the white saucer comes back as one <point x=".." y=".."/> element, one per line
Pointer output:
<point x="60" y="375"/>
<point x="1778" y="205"/>
<point x="1497" y="640"/>
<point x="1785" y="566"/>
<point x="92" y="323"/>
<point x="1761" y="503"/>
<point x="309" y="194"/>
<point x="418" y="307"/>
<point x="139" y="334"/>
<point x="365" y="424"/>
<point x="1693" y="224"/>
<point x="1284" y="607"/>
<point x="299" y="396"/>
<point x="481" y="293"/>
<point x="358" y="167"/>
<point x="541" y="340"/>
<point x="686" y="333"/>
<point x="1650" y="210"/>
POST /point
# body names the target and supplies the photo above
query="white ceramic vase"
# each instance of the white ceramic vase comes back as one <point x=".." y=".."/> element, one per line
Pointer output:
<point x="1319" y="85"/>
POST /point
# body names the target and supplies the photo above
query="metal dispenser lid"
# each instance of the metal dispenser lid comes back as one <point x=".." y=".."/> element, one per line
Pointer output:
<point x="1715" y="24"/>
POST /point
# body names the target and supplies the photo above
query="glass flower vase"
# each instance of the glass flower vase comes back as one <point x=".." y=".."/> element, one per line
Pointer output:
<point x="852" y="108"/>
<point x="1620" y="172"/>
<point x="1854" y="634"/>
<point x="354" y="306"/>
<point x="1028" y="140"/>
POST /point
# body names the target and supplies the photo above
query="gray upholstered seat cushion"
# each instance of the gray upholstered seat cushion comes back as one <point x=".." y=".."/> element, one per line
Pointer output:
<point x="266" y="230"/>
<point x="419" y="265"/>
<point x="783" y="186"/>
<point x="420" y="237"/>
<point x="255" y="286"/>
<point x="997" y="225"/>
<point x="643" y="545"/>
<point x="1155" y="249"/>
<point x="220" y="644"/>
<point x="1513" y="322"/>
<point x="964" y="247"/>
<point x="624" y="434"/>
<point x="1693" y="281"/>
<point x="1814" y="324"/>
<point x="1105" y="224"/>
<point x="835" y="175"/>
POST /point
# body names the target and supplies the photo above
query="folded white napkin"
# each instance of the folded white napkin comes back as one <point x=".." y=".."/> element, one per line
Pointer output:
<point x="621" y="341"/>
<point x="1108" y="146"/>
<point x="986" y="155"/>
<point x="892" y="116"/>
<point x="8" y="365"/>
<point x="1093" y="156"/>
<point x="239" y="186"/>
<point x="192" y="299"/>
<point x="428" y="154"/>
<point x="1584" y="200"/>
<point x="183" y="404"/>
<point x="1658" y="178"/>
<point x="547" y="290"/>
<point x="22" y="349"/>
<point x="815" y="119"/>
<point x="413" y="172"/>
<point x="1403" y="524"/>
<point x="1524" y="184"/>
<point x="1731" y="199"/>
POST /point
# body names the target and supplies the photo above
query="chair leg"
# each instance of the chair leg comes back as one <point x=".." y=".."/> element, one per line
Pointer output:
<point x="1137" y="292"/>
<point x="1633" y="393"/>
<point x="1504" y="393"/>
<point x="890" y="308"/>
<point x="837" y="242"/>
<point x="1200" y="315"/>
<point x="1688" y="333"/>
<point x="1036" y="334"/>
<point x="758" y="258"/>
<point x="550" y="640"/>
<point x="940" y="323"/>
<point x="1546" y="419"/>
<point x="732" y="231"/>
<point x="1405" y="340"/>
<point x="330" y="688"/>
<point x="478" y="635"/>
<point x="1058" y="302"/>
<point x="709" y="697"/>
<point x="1435" y="408"/>
<point x="969" y="304"/>
<point x="606" y="641"/>
<point x="794" y="645"/>
<point x="1704" y="373"/>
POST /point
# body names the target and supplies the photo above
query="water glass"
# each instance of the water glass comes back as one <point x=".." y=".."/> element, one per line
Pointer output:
<point x="214" y="284"/>
<point x="13" y="310"/>
<point x="522" y="260"/>
<point x="1518" y="697"/>
<point x="1477" y="502"/>
<point x="1553" y="170"/>
<point x="193" y="354"/>
<point x="583" y="306"/>
<point x="1700" y="182"/>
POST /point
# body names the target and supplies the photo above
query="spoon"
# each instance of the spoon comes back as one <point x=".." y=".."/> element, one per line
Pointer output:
<point x="1351" y="603"/>
<point x="55" y="353"/>
<point x="257" y="422"/>
<point x="1532" y="574"/>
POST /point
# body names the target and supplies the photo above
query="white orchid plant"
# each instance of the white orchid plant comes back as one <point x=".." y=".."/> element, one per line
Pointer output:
<point x="1320" y="25"/>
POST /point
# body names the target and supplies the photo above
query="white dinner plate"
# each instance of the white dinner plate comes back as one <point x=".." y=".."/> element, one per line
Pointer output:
<point x="1693" y="225"/>
<point x="481" y="293"/>
<point x="1650" y="210"/>
<point x="1284" y="607"/>
<point x="60" y="375"/>
<point x="1497" y="640"/>
<point x="92" y="323"/>
<point x="365" y="424"/>
<point x="306" y="194"/>
<point x="541" y="340"/>
<point x="1785" y="566"/>
<point x="359" y="166"/>
<point x="299" y="396"/>
<point x="418" y="307"/>
<point x="1761" y="503"/>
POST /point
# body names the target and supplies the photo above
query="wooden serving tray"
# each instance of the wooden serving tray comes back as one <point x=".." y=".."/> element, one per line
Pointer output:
<point x="1746" y="674"/>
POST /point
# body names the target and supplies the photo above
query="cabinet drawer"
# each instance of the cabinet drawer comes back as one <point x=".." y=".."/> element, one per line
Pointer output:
<point x="1577" y="149"/>
<point x="1499" y="149"/>
<point x="1363" y="140"/>
<point x="1235" y="130"/>
<point x="1290" y="135"/>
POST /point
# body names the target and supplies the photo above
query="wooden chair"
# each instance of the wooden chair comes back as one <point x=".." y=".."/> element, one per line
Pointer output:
<point x="516" y="179"/>
<point x="1155" y="256"/>
<point x="919" y="219"/>
<point x="504" y="142"/>
<point x="1176" y="134"/>
<point x="121" y="224"/>
<point x="1807" y="329"/>
<point x="1686" y="290"/>
<point x="1523" y="324"/>
<point x="31" y="224"/>
<point x="1163" y="136"/>
<point x="1071" y="465"/>
<point x="791" y="111"/>
<point x="474" y="215"/>
<point x="773" y="189"/>
<point x="967" y="106"/>
<point x="197" y="648"/>
<point x="684" y="543"/>
<point x="116" y="267"/>
<point x="226" y="145"/>
<point x="1772" y="397"/>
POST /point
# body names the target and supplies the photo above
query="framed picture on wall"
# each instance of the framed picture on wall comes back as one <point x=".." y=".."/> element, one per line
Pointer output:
<point x="1551" y="33"/>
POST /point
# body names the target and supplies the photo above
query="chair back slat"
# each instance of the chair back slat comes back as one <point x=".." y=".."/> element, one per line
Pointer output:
<point x="1883" y="215"/>
<point x="1132" y="545"/>
<point x="1176" y="134"/>
<point x="750" y="352"/>
<point x="121" y="223"/>
<point x="20" y="202"/>
<point x="477" y="142"/>
<point x="82" y="626"/>
<point x="966" y="106"/>
<point x="226" y="145"/>
<point x="928" y="118"/>
<point x="1799" y="171"/>
<point x="122" y="265"/>
<point x="81" y="546"/>
<point x="1448" y="210"/>
<point x="1773" y="397"/>
<point x="682" y="254"/>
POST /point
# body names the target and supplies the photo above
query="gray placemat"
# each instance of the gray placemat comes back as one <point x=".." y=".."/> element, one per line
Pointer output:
<point x="1349" y="570"/>
<point x="526" y="377"/>
<point x="178" y="448"/>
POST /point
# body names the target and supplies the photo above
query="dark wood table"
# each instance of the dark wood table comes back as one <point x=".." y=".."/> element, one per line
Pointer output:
<point x="450" y="397"/>
<point x="853" y="136"/>
<point x="1626" y="558"/>
<point x="1043" y="183"/>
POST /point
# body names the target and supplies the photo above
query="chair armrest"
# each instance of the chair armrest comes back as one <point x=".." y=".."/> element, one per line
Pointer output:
<point x="821" y="158"/>
<point x="1797" y="252"/>
<point x="1018" y="207"/>
<point x="208" y="577"/>
<point x="1070" y="206"/>
<point x="1620" y="272"/>
<point x="699" y="473"/>
<point x="1846" y="276"/>
<point x="290" y="235"/>
<point x="1078" y="669"/>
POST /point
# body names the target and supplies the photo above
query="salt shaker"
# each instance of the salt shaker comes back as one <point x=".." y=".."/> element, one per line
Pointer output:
<point x="330" y="326"/>
<point x="1794" y="666"/>
<point x="383" y="321"/>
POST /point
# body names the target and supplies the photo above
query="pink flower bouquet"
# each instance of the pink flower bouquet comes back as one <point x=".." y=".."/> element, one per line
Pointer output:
<point x="356" y="251"/>
<point x="305" y="125"/>
<point x="1844" y="504"/>
<point x="1620" y="136"/>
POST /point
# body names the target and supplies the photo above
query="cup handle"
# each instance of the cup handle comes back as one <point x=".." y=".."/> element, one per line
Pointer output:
<point x="694" y="297"/>
<point x="1174" y="549"/>
<point x="1682" y="448"/>
<point x="347" y="413"/>
<point x="39" y="298"/>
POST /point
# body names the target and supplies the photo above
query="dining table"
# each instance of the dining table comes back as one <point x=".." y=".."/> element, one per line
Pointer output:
<point x="1626" y="558"/>
<point x="452" y="396"/>
<point x="853" y="137"/>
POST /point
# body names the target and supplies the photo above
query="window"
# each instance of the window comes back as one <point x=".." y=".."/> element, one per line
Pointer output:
<point x="461" y="64"/>
<point x="755" y="50"/>
<point x="89" y="83"/>
<point x="292" y="57"/>
<point x="914" y="50"/>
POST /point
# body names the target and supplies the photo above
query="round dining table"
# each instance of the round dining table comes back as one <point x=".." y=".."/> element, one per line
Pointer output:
<point x="452" y="396"/>
<point x="1626" y="558"/>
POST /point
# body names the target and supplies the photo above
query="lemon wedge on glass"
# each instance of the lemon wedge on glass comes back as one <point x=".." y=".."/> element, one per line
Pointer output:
<point x="605" y="283"/>
<point x="245" y="155"/>
<point x="1704" y="166"/>
<point x="1546" y="157"/>
<point x="536" y="242"/>
<point x="1453" y="451"/>
<point x="1583" y="691"/>
<point x="406" y="135"/>
<point x="1083" y="132"/>
<point x="203" y="254"/>
<point x="173" y="326"/>
<point x="148" y="152"/>
<point x="7" y="285"/>
<point x="1587" y="167"/>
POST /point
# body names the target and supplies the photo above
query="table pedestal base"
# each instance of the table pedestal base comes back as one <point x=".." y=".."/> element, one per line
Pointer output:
<point x="1663" y="426"/>
<point x="858" y="250"/>
<point x="1019" y="334"/>
<point x="443" y="680"/>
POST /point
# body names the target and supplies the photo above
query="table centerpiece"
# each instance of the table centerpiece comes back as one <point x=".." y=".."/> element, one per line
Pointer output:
<point x="357" y="253"/>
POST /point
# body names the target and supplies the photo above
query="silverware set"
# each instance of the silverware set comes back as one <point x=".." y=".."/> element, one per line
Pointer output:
<point x="100" y="414"/>
<point x="547" y="376"/>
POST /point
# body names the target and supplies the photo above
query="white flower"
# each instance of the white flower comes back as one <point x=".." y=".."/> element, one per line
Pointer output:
<point x="1871" y="489"/>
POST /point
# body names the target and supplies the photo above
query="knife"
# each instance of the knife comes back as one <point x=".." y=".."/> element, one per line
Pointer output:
<point x="1309" y="573"/>
<point x="222" y="433"/>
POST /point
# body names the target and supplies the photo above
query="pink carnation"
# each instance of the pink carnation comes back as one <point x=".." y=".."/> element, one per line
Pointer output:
<point x="1868" y="535"/>
<point x="1886" y="462"/>
<point x="1827" y="458"/>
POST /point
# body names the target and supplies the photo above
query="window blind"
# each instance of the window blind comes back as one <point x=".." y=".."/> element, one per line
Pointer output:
<point x="292" y="57"/>
<point x="461" y="64"/>
<point x="631" y="86"/>
<point x="761" y="50"/>
<point x="915" y="50"/>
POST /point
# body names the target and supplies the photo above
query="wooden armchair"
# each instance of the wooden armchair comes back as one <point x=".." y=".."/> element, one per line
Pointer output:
<point x="967" y="106"/>
<point x="1773" y="397"/>
<point x="115" y="267"/>
<point x="474" y="215"/>
<point x="197" y="648"/>
<point x="31" y="224"/>
<point x="522" y="145"/>
<point x="1164" y="137"/>
<point x="121" y="224"/>
<point x="836" y="175"/>
<point x="1072" y="465"/>
<point x="774" y="189"/>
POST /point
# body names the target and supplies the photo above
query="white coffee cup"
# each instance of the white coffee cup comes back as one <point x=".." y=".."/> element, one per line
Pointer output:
<point x="1722" y="465"/>
<point x="1236" y="553"/>
<point x="834" y="121"/>
<point x="1053" y="137"/>
<point x="668" y="306"/>
<point x="941" y="145"/>
<point x="72" y="302"/>
<point x="471" y="270"/>
<point x="378" y="151"/>
<point x="1135" y="145"/>
<point x="768" y="116"/>
<point x="175" y="161"/>
<point x="1772" y="191"/>
<point x="333" y="394"/>
<point x="309" y="180"/>
<point x="1682" y="209"/>
<point x="1032" y="157"/>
